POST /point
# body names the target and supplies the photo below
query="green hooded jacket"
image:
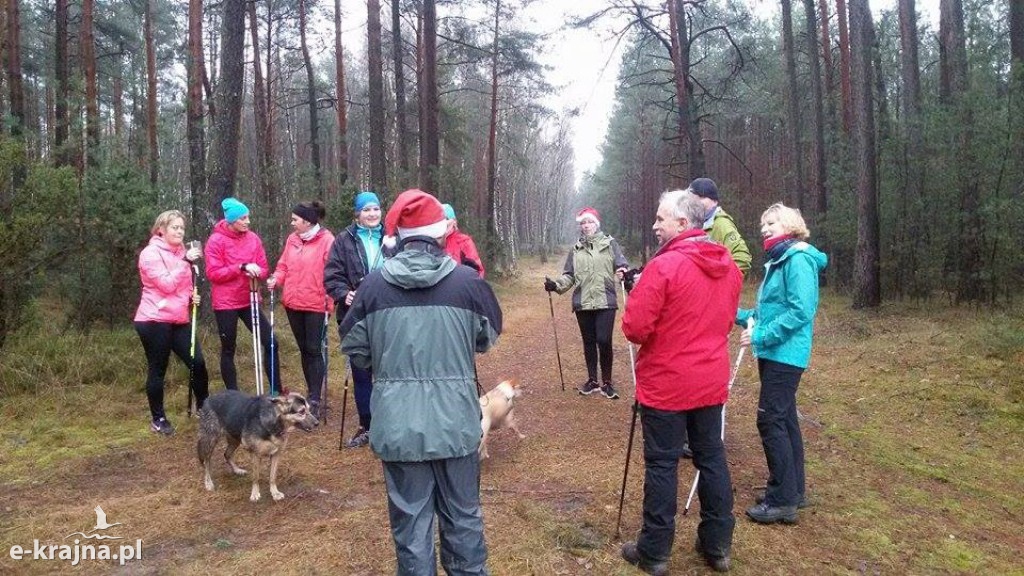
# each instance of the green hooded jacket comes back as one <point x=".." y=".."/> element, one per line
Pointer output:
<point x="590" y="270"/>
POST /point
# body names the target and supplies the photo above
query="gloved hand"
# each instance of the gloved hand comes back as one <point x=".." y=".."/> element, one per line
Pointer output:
<point x="549" y="284"/>
<point x="252" y="270"/>
<point x="271" y="282"/>
<point x="630" y="278"/>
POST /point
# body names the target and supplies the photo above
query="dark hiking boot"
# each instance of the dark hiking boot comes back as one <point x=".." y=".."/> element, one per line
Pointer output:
<point x="717" y="563"/>
<point x="589" y="387"/>
<point x="162" y="426"/>
<point x="803" y="503"/>
<point x="316" y="410"/>
<point x="609" y="391"/>
<point x="362" y="438"/>
<point x="765" y="514"/>
<point x="632" y="555"/>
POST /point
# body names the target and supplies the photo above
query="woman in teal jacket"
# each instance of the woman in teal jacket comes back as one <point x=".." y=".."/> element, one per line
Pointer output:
<point x="781" y="337"/>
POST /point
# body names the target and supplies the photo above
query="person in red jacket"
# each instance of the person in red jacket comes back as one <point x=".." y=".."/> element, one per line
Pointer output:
<point x="234" y="255"/>
<point x="459" y="245"/>
<point x="680" y="313"/>
<point x="162" y="319"/>
<point x="300" y="271"/>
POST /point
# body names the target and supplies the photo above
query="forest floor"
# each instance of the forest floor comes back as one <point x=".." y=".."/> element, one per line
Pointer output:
<point x="913" y="419"/>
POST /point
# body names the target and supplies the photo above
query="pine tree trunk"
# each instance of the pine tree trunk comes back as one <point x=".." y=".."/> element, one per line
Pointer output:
<point x="912" y="201"/>
<point x="688" y="126"/>
<point x="224" y="150"/>
<point x="820" y="154"/>
<point x="342" y="98"/>
<point x="13" y="59"/>
<point x="259" y="107"/>
<point x="92" y="111"/>
<point x="314" y="123"/>
<point x="844" y="65"/>
<point x="429" y="137"/>
<point x="826" y="55"/>
<point x="401" y="126"/>
<point x="194" y="120"/>
<point x="793" y="106"/>
<point x="374" y="57"/>
<point x="60" y="106"/>
<point x="867" y="285"/>
<point x="154" y="157"/>
<point x="492" y="241"/>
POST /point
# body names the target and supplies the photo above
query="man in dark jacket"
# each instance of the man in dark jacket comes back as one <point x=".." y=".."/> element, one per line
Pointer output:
<point x="680" y="313"/>
<point x="418" y="322"/>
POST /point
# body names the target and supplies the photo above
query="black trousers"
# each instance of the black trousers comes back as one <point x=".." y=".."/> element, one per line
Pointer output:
<point x="309" y="331"/>
<point x="663" y="447"/>
<point x="779" y="427"/>
<point x="362" y="389"/>
<point x="158" y="340"/>
<point x="227" y="327"/>
<point x="596" y="327"/>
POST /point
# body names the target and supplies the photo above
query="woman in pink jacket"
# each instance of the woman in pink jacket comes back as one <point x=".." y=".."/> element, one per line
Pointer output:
<point x="162" y="319"/>
<point x="300" y="271"/>
<point x="234" y="256"/>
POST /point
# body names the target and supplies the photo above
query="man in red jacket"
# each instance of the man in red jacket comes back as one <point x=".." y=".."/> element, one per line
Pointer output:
<point x="680" y="313"/>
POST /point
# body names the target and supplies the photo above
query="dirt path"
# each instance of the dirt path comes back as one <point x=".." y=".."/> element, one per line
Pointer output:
<point x="550" y="501"/>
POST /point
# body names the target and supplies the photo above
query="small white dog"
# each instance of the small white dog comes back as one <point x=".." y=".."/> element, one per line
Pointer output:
<point x="497" y="407"/>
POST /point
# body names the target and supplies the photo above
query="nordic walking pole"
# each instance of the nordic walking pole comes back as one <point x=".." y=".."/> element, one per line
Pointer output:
<point x="192" y="338"/>
<point x="324" y="356"/>
<point x="275" y="388"/>
<point x="558" y="354"/>
<point x="344" y="401"/>
<point x="254" y="316"/>
<point x="732" y="379"/>
<point x="632" y="427"/>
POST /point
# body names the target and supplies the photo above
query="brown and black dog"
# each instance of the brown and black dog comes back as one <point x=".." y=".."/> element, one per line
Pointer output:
<point x="260" y="424"/>
<point x="497" y="408"/>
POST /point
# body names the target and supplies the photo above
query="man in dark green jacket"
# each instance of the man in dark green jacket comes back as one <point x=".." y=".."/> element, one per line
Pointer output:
<point x="418" y="322"/>
<point x="719" y="225"/>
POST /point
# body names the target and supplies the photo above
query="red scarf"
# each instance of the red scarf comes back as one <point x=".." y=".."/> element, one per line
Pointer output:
<point x="770" y="243"/>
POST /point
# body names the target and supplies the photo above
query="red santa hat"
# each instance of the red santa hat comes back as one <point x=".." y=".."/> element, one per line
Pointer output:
<point x="588" y="214"/>
<point x="416" y="213"/>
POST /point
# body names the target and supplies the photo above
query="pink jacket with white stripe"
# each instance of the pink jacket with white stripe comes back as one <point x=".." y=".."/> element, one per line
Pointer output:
<point x="300" y="271"/>
<point x="166" y="283"/>
<point x="226" y="251"/>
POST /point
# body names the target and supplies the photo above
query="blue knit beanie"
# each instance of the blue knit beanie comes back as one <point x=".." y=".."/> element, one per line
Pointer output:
<point x="234" y="210"/>
<point x="364" y="199"/>
<point x="449" y="212"/>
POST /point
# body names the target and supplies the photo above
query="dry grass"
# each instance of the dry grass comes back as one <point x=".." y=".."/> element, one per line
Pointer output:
<point x="912" y="417"/>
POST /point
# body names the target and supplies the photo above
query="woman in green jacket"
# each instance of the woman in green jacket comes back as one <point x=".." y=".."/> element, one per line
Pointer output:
<point x="781" y="337"/>
<point x="593" y="267"/>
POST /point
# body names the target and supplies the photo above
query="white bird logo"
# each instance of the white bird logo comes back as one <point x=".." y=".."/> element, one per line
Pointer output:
<point x="101" y="520"/>
<point x="101" y="524"/>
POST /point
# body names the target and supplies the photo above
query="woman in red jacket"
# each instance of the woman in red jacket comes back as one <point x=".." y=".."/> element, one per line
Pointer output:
<point x="162" y="319"/>
<point x="300" y="271"/>
<point x="234" y="255"/>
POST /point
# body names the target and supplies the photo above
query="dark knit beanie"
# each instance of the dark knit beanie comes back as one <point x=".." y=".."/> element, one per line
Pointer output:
<point x="705" y="188"/>
<point x="306" y="212"/>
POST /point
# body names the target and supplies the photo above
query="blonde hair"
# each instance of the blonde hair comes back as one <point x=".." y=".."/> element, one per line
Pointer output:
<point x="164" y="220"/>
<point x="789" y="218"/>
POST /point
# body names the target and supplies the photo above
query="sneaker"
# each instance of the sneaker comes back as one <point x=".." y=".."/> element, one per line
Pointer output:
<point x="162" y="426"/>
<point x="803" y="503"/>
<point x="632" y="555"/>
<point x="589" y="387"/>
<point x="609" y="392"/>
<point x="765" y="514"/>
<point x="717" y="563"/>
<point x="362" y="438"/>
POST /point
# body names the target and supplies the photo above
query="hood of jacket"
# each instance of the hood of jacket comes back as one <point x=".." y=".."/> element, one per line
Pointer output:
<point x="420" y="264"/>
<point x="711" y="258"/>
<point x="161" y="244"/>
<point x="222" y="227"/>
<point x="817" y="257"/>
